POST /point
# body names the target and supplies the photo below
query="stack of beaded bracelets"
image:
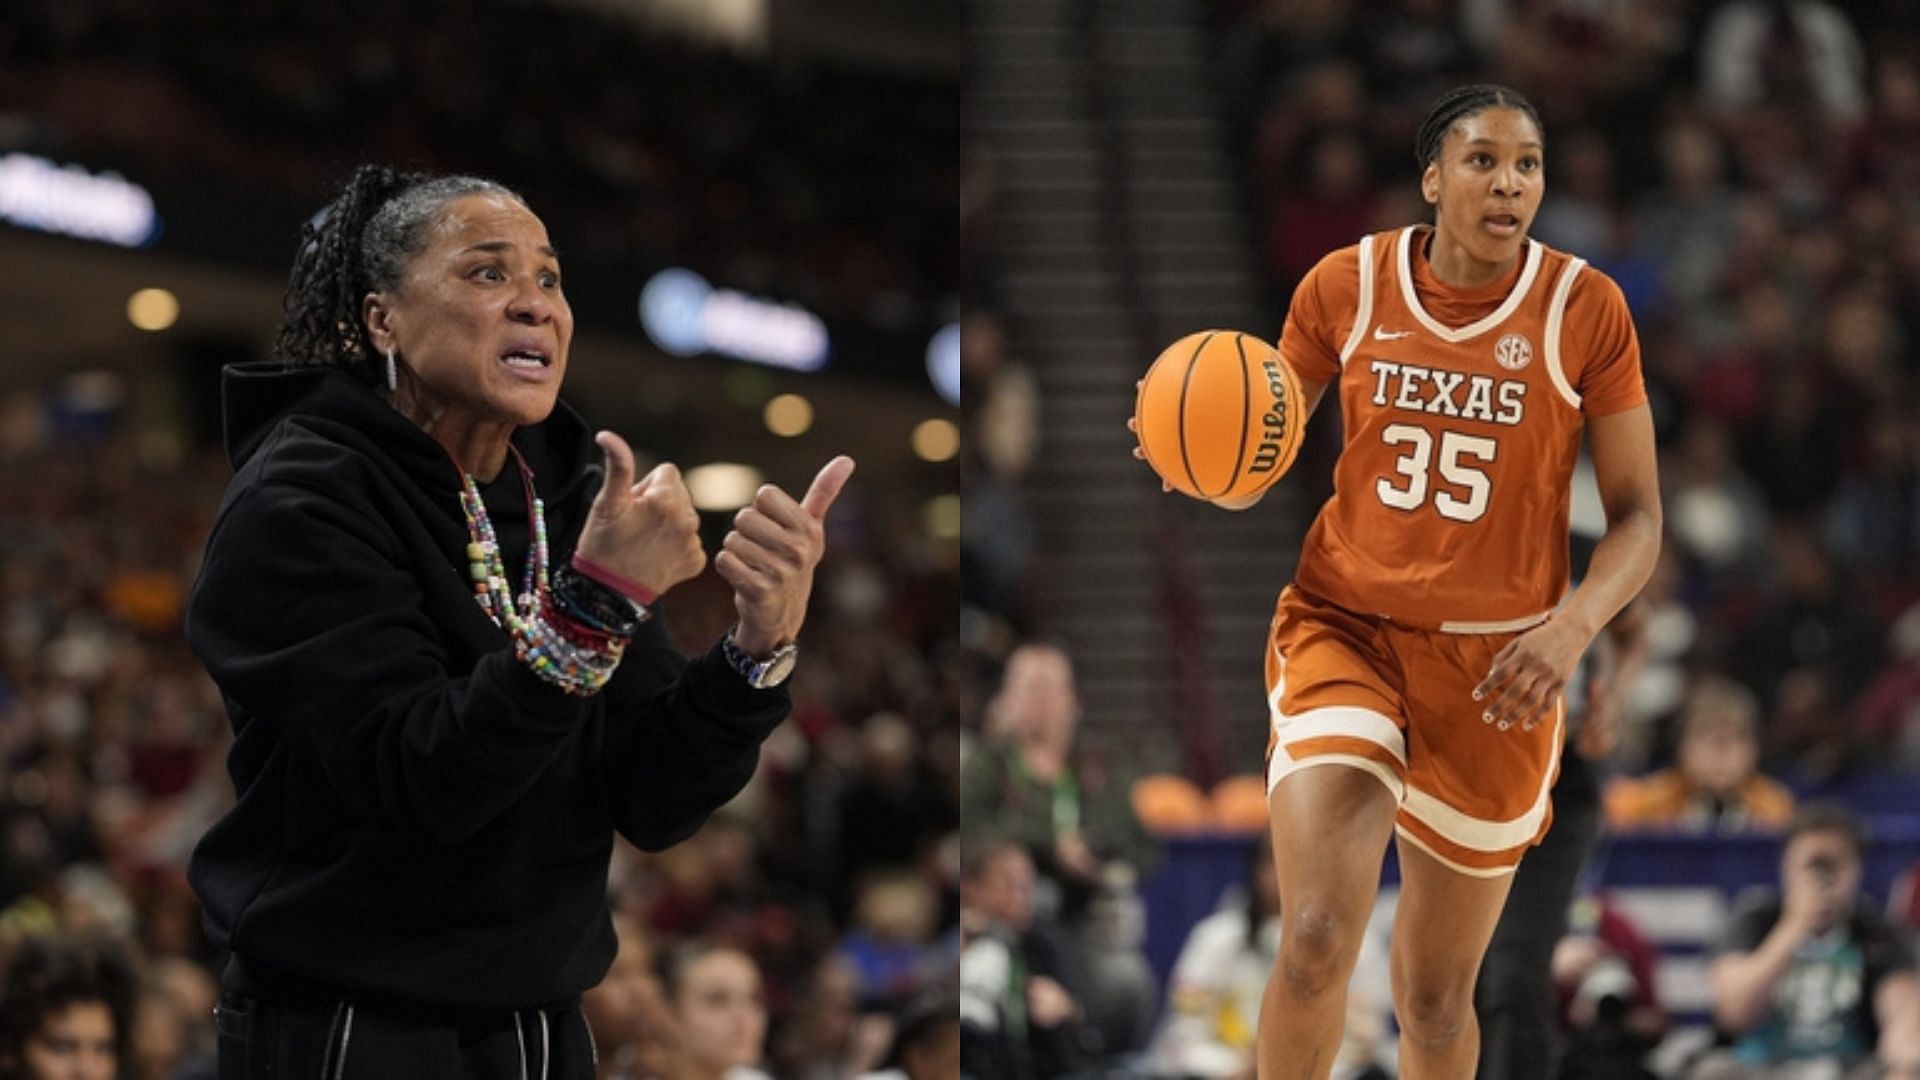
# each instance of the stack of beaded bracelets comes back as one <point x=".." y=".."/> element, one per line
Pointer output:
<point x="566" y="652"/>
<point x="575" y="658"/>
<point x="576" y="636"/>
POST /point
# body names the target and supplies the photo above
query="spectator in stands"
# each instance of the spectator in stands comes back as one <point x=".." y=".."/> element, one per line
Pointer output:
<point x="1716" y="785"/>
<point x="1813" y="624"/>
<point x="632" y="1025"/>
<point x="1000" y="403"/>
<point x="1213" y="994"/>
<point x="1684" y="225"/>
<point x="1079" y="828"/>
<point x="926" y="1041"/>
<point x="888" y="945"/>
<point x="1603" y="979"/>
<point x="889" y="806"/>
<point x="1873" y="523"/>
<point x="67" y="1010"/>
<point x="716" y="997"/>
<point x="1027" y="784"/>
<point x="1812" y="972"/>
<point x="1715" y="513"/>
<point x="191" y="994"/>
<point x="1753" y="52"/>
<point x="159" y="1043"/>
<point x="1888" y="714"/>
<point x="1019" y="1018"/>
<point x="827" y="1034"/>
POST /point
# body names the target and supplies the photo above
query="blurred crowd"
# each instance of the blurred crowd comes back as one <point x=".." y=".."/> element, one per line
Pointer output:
<point x="640" y="146"/>
<point x="805" y="931"/>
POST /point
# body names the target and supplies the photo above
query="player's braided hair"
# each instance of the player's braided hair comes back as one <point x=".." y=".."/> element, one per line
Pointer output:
<point x="1464" y="101"/>
<point x="359" y="243"/>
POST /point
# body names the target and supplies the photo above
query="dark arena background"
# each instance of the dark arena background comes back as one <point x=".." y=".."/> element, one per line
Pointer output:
<point x="1136" y="170"/>
<point x="754" y="201"/>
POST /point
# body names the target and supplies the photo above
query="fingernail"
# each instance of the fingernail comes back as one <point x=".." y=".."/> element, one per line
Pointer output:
<point x="1504" y="725"/>
<point x="1476" y="695"/>
<point x="1486" y="718"/>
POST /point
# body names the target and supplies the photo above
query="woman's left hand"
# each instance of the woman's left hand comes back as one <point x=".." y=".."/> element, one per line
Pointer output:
<point x="1528" y="676"/>
<point x="769" y="558"/>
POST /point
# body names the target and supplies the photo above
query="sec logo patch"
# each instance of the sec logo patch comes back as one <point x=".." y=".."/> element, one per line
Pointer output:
<point x="1513" y="352"/>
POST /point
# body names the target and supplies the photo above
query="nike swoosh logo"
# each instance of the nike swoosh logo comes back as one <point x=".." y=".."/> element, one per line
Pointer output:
<point x="1381" y="333"/>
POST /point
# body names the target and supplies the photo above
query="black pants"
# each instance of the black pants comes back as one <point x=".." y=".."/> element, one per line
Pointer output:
<point x="339" y="1040"/>
<point x="1519" y="1038"/>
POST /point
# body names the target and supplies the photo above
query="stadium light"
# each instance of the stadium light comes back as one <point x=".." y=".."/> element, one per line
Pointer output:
<point x="153" y="310"/>
<point x="36" y="193"/>
<point x="687" y="316"/>
<point x="936" y="440"/>
<point x="788" y="415"/>
<point x="723" y="485"/>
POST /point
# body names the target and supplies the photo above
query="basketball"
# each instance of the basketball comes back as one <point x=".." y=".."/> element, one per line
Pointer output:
<point x="1218" y="415"/>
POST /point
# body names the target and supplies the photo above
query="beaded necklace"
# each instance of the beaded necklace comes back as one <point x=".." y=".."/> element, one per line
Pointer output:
<point x="488" y="569"/>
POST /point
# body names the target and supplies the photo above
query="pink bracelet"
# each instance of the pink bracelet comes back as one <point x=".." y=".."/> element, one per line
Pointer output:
<point x="632" y="590"/>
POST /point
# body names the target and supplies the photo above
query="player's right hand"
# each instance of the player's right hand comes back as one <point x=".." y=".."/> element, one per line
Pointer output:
<point x="645" y="531"/>
<point x="1133" y="425"/>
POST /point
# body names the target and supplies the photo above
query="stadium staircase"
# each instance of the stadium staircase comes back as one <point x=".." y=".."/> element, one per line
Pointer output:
<point x="1118" y="230"/>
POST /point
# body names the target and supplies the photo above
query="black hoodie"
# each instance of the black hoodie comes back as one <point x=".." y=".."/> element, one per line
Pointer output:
<point x="421" y="821"/>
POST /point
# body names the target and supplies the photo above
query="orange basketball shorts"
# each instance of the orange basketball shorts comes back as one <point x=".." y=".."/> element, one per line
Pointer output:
<point x="1397" y="702"/>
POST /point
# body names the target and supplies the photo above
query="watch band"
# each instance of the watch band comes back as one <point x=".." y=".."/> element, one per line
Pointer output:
<point x="760" y="674"/>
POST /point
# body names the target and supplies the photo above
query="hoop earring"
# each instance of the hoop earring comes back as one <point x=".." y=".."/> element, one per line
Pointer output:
<point x="393" y="373"/>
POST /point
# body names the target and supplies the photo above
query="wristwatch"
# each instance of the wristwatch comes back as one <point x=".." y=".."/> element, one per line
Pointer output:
<point x="760" y="674"/>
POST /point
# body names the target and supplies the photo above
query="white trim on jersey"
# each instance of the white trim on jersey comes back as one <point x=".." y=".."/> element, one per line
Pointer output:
<point x="1471" y="331"/>
<point x="1505" y="626"/>
<point x="1479" y="834"/>
<point x="1365" y="314"/>
<point x="1459" y="868"/>
<point x="1556" y="317"/>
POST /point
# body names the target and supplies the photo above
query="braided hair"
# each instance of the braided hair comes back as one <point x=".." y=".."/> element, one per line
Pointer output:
<point x="1460" y="103"/>
<point x="361" y="242"/>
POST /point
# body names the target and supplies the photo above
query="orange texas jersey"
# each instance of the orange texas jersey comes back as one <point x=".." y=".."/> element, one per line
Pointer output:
<point x="1462" y="411"/>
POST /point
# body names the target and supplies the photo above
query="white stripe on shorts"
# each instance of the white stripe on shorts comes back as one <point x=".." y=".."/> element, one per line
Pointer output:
<point x="1480" y="834"/>
<point x="1283" y="766"/>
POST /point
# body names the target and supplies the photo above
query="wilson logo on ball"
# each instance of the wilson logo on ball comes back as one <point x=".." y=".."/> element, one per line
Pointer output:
<point x="1215" y="415"/>
<point x="1274" y="421"/>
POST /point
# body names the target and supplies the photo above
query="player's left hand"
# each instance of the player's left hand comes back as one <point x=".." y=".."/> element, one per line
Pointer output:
<point x="769" y="558"/>
<point x="1528" y="676"/>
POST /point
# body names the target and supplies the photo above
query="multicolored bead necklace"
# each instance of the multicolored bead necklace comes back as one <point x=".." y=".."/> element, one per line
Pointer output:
<point x="485" y="564"/>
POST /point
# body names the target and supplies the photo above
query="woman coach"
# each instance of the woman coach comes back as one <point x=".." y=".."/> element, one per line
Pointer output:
<point x="427" y="610"/>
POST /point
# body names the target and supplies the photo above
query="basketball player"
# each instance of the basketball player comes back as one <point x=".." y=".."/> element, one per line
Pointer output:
<point x="1421" y="650"/>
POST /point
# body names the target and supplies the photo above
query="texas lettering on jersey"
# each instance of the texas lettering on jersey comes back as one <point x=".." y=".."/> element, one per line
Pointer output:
<point x="1436" y="392"/>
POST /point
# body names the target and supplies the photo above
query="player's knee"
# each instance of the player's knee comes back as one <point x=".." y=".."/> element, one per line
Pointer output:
<point x="1434" y="1011"/>
<point x="1313" y="946"/>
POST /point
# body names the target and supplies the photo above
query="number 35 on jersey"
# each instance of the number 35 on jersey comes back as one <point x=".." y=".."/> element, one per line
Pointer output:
<point x="1457" y="457"/>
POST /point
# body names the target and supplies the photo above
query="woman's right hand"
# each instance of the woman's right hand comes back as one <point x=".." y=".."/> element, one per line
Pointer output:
<point x="646" y="531"/>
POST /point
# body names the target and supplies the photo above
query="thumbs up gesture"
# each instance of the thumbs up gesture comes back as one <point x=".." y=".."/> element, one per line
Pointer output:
<point x="769" y="558"/>
<point x="647" y="531"/>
